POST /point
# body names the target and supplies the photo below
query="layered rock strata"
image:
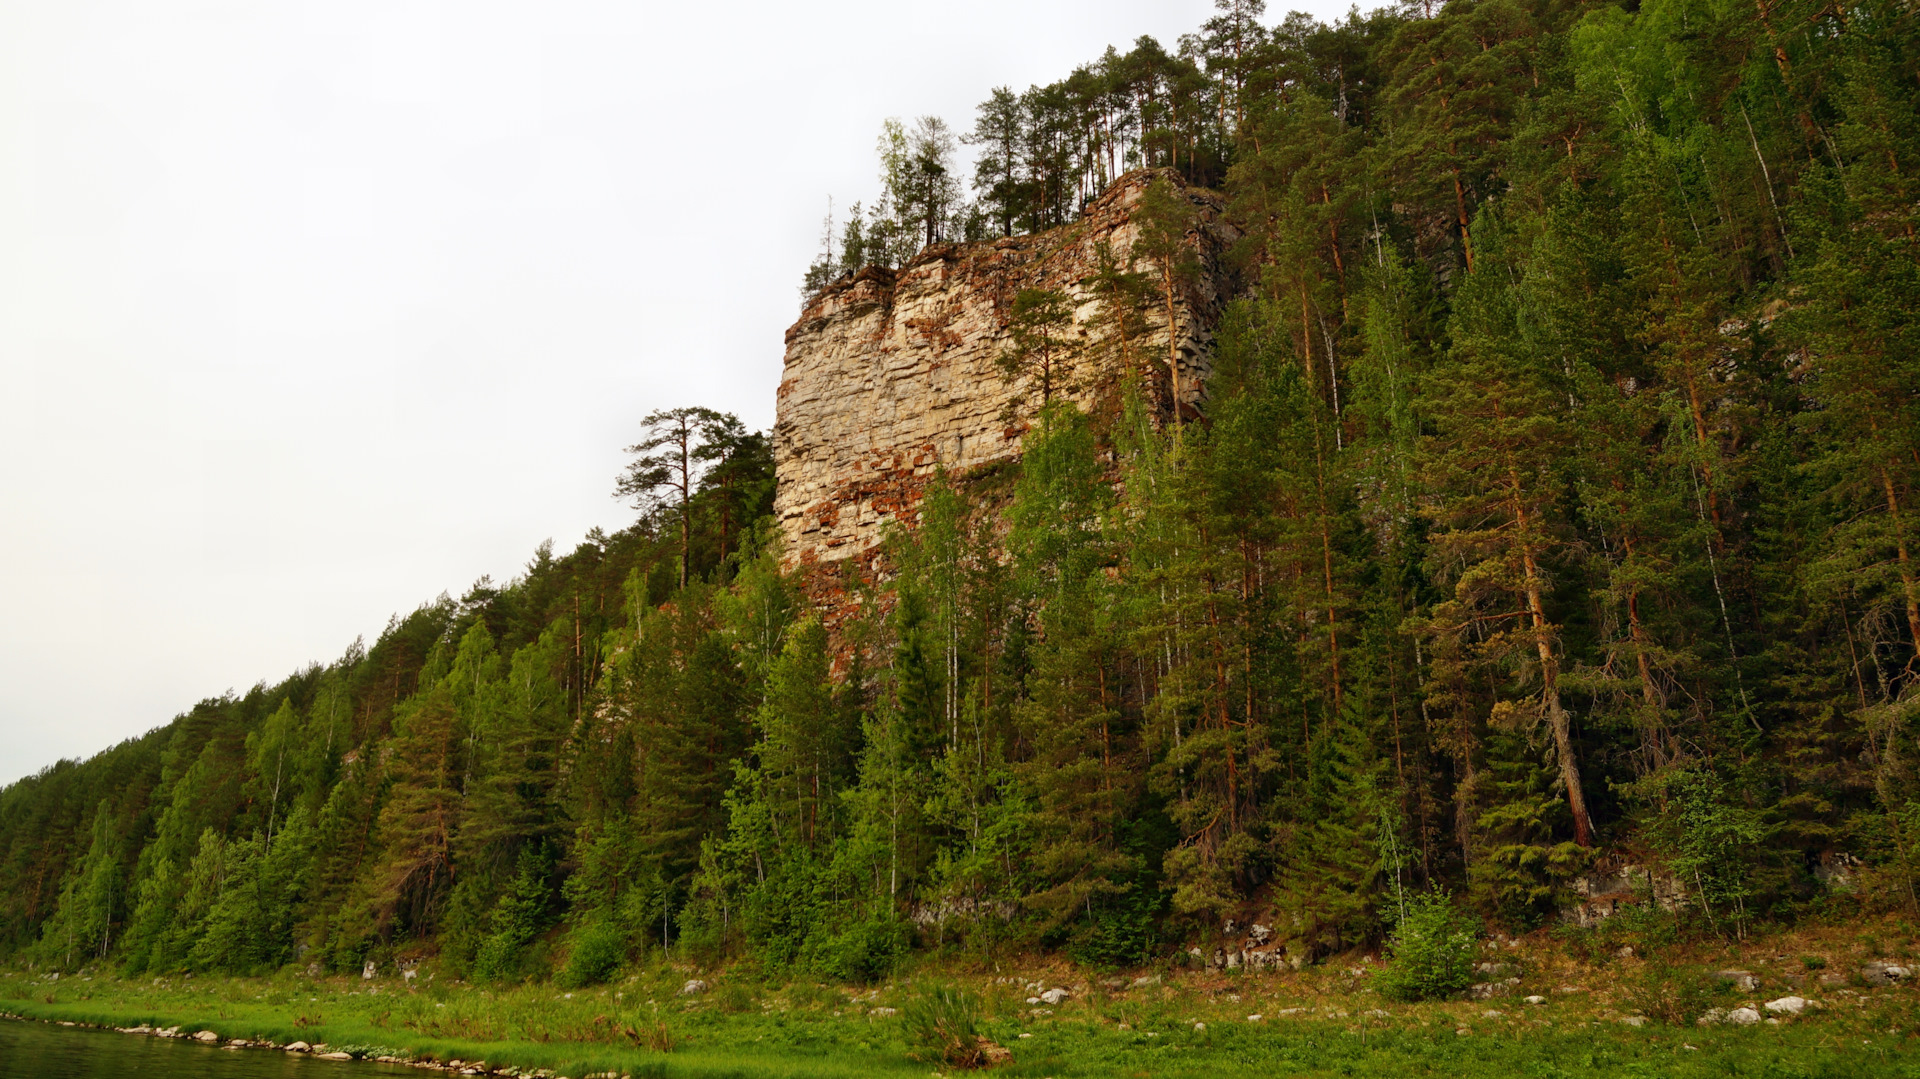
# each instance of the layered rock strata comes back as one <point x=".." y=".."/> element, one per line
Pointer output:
<point x="892" y="375"/>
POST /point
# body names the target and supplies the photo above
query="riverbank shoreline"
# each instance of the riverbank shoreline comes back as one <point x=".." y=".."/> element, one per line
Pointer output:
<point x="1821" y="1002"/>
<point x="318" y="1050"/>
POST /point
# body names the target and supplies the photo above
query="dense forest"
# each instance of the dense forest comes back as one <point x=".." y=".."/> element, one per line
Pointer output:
<point x="1552" y="502"/>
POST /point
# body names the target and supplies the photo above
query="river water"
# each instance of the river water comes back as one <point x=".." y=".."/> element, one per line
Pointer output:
<point x="45" y="1051"/>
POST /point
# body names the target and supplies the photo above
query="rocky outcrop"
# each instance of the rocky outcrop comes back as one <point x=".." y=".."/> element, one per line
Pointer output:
<point x="892" y="375"/>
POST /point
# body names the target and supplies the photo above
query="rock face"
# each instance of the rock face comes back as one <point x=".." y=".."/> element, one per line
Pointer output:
<point x="891" y="375"/>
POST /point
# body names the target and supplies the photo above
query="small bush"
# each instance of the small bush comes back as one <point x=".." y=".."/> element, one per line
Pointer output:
<point x="1431" y="951"/>
<point x="1646" y="926"/>
<point x="1666" y="995"/>
<point x="734" y="998"/>
<point x="498" y="960"/>
<point x="864" y="952"/>
<point x="942" y="1025"/>
<point x="598" y="950"/>
<point x="1814" y="962"/>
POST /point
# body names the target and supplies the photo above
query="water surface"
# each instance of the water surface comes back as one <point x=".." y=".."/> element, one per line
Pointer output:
<point x="45" y="1051"/>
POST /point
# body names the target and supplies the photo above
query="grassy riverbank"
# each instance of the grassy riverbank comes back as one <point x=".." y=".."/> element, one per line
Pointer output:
<point x="1319" y="1022"/>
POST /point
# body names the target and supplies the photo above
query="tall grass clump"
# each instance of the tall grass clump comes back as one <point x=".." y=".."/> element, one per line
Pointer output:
<point x="1430" y="951"/>
<point x="942" y="1024"/>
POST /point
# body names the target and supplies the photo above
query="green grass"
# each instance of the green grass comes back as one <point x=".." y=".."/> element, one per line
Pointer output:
<point x="744" y="1026"/>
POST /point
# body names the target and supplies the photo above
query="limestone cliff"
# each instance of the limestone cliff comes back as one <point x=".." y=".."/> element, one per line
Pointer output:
<point x="891" y="374"/>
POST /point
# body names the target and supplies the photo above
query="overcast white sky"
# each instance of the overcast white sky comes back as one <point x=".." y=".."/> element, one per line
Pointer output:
<point x="310" y="311"/>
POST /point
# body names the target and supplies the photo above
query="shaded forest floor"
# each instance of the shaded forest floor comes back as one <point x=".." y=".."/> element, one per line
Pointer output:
<point x="1601" y="1013"/>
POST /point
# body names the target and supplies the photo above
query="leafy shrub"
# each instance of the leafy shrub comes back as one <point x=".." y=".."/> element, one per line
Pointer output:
<point x="864" y="952"/>
<point x="1431" y="951"/>
<point x="942" y="1024"/>
<point x="599" y="948"/>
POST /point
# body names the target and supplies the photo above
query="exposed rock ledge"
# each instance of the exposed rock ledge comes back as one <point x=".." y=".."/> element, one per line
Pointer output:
<point x="890" y="375"/>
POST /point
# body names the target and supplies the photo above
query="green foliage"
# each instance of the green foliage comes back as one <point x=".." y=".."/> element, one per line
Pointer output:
<point x="1645" y="926"/>
<point x="1122" y="930"/>
<point x="863" y="952"/>
<point x="941" y="1025"/>
<point x="1430" y="951"/>
<point x="519" y="916"/>
<point x="1552" y="489"/>
<point x="596" y="950"/>
<point x="1520" y="874"/>
<point x="1711" y="841"/>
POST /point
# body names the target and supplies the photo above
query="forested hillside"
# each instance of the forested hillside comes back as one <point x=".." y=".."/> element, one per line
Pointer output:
<point x="1552" y="502"/>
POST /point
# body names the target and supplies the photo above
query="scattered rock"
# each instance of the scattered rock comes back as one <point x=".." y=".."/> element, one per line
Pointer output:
<point x="1145" y="980"/>
<point x="1536" y="1000"/>
<point x="1378" y="1014"/>
<point x="1255" y="1017"/>
<point x="883" y="1012"/>
<point x="994" y="1052"/>
<point x="1198" y="1027"/>
<point x="298" y="1047"/>
<point x="1054" y="996"/>
<point x="1625" y="952"/>
<point x="1494" y="971"/>
<point x="1114" y="983"/>
<point x="1880" y="975"/>
<point x="693" y="987"/>
<point x="1743" y="1017"/>
<point x="1787" y="1005"/>
<point x="206" y="1036"/>
<point x="1259" y="934"/>
<point x="1740" y="979"/>
<point x="1635" y="1020"/>
<point x="1033" y="1000"/>
<point x="336" y="1055"/>
<point x="1492" y="1013"/>
<point x="1710" y="1017"/>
